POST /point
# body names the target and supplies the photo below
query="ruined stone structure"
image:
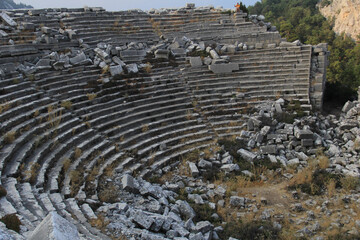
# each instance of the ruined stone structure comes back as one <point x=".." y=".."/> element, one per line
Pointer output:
<point x="131" y="91"/>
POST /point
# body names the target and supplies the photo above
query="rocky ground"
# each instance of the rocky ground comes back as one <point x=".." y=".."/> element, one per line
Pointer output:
<point x="287" y="176"/>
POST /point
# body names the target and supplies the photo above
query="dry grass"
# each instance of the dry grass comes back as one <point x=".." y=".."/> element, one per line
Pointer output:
<point x="36" y="113"/>
<point x="305" y="176"/>
<point x="148" y="67"/>
<point x="66" y="104"/>
<point x="323" y="161"/>
<point x="4" y="107"/>
<point x="91" y="96"/>
<point x="54" y="116"/>
<point x="357" y="144"/>
<point x="77" y="153"/>
<point x="109" y="170"/>
<point x="108" y="194"/>
<point x="9" y="137"/>
<point x="66" y="164"/>
<point x="331" y="188"/>
<point x="100" y="222"/>
<point x="105" y="70"/>
<point x="349" y="183"/>
<point x="155" y="26"/>
<point x="145" y="128"/>
<point x="189" y="115"/>
<point x="30" y="175"/>
<point x="76" y="178"/>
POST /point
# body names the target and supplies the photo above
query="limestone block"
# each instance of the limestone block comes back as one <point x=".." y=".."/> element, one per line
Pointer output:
<point x="102" y="55"/>
<point x="304" y="134"/>
<point x="249" y="156"/>
<point x="116" y="70"/>
<point x="196" y="62"/>
<point x="230" y="167"/>
<point x="54" y="227"/>
<point x="78" y="58"/>
<point x="269" y="149"/>
<point x="162" y="53"/>
<point x="224" y="68"/>
<point x="236" y="201"/>
<point x="3" y="34"/>
<point x="127" y="183"/>
<point x="28" y="26"/>
<point x="307" y="142"/>
<point x="214" y="54"/>
<point x="177" y="52"/>
<point x="143" y="220"/>
<point x="287" y="44"/>
<point x="8" y="20"/>
<point x="193" y="169"/>
<point x="132" y="68"/>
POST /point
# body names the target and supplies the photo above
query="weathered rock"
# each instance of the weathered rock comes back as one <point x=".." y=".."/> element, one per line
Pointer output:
<point x="193" y="169"/>
<point x="203" y="227"/>
<point x="116" y="71"/>
<point x="196" y="62"/>
<point x="132" y="68"/>
<point x="78" y="59"/>
<point x="224" y="68"/>
<point x="162" y="53"/>
<point x="204" y="164"/>
<point x="8" y="20"/>
<point x="214" y="54"/>
<point x="127" y="183"/>
<point x="236" y="201"/>
<point x="143" y="220"/>
<point x="230" y="167"/>
<point x="186" y="210"/>
<point x="249" y="156"/>
<point x="268" y="149"/>
<point x="54" y="227"/>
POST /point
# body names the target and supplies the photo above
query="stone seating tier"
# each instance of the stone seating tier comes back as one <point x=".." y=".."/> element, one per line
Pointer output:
<point x="138" y="123"/>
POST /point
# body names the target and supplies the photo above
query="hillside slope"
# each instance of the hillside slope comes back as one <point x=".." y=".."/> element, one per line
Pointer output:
<point x="346" y="16"/>
<point x="9" y="4"/>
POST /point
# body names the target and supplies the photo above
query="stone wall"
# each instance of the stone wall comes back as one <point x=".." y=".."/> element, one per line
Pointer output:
<point x="319" y="63"/>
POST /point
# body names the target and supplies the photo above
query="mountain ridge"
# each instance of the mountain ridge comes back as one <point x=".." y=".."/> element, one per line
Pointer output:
<point x="10" y="4"/>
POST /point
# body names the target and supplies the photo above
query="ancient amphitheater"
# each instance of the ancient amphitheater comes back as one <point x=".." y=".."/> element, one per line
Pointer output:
<point x="86" y="92"/>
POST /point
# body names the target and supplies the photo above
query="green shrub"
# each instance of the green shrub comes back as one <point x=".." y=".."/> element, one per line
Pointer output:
<point x="3" y="191"/>
<point x="319" y="180"/>
<point x="232" y="146"/>
<point x="203" y="213"/>
<point x="250" y="230"/>
<point x="12" y="222"/>
<point x="350" y="183"/>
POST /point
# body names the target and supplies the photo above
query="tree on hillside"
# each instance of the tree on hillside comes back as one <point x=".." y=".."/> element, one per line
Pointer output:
<point x="301" y="19"/>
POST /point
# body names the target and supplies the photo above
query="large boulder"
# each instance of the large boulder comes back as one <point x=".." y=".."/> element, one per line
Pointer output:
<point x="54" y="227"/>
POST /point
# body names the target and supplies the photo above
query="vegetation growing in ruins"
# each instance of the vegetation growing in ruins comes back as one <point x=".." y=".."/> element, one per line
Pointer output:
<point x="91" y="96"/>
<point x="66" y="104"/>
<point x="249" y="230"/>
<point x="296" y="19"/>
<point x="9" y="137"/>
<point x="3" y="191"/>
<point x="12" y="222"/>
<point x="31" y="174"/>
<point x="54" y="116"/>
<point x="4" y="107"/>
